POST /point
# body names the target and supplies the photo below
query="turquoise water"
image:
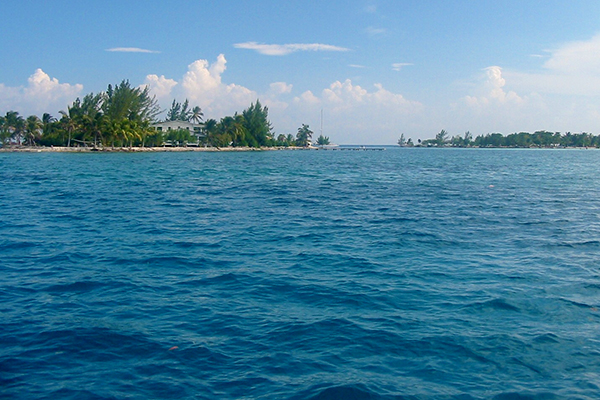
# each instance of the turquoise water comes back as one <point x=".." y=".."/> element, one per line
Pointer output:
<point x="397" y="274"/>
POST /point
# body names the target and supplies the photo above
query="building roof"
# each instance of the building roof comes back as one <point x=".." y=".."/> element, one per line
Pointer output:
<point x="177" y="125"/>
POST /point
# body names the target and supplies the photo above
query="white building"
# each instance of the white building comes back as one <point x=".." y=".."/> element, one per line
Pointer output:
<point x="166" y="126"/>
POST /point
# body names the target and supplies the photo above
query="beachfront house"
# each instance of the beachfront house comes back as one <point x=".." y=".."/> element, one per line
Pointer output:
<point x="196" y="129"/>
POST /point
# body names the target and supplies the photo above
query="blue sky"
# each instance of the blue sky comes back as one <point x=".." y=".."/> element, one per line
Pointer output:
<point x="376" y="68"/>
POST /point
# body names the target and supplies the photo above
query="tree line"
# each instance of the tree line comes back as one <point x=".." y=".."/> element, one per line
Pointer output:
<point x="123" y="116"/>
<point x="541" y="139"/>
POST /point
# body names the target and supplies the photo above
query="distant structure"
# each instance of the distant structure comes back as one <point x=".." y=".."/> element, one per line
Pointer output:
<point x="165" y="126"/>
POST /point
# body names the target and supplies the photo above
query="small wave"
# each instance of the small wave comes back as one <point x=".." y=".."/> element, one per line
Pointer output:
<point x="585" y="243"/>
<point x="68" y="393"/>
<point x="546" y="338"/>
<point x="576" y="303"/>
<point x="341" y="392"/>
<point x="83" y="286"/>
<point x="526" y="396"/>
<point x="495" y="304"/>
<point x="346" y="393"/>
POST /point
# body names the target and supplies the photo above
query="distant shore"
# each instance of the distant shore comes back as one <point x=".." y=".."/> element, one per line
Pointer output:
<point x="58" y="149"/>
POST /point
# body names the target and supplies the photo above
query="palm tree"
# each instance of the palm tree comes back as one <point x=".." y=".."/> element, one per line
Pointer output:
<point x="401" y="141"/>
<point x="238" y="131"/>
<point x="197" y="115"/>
<point x="441" y="138"/>
<point x="323" y="140"/>
<point x="33" y="127"/>
<point x="185" y="113"/>
<point x="210" y="129"/>
<point x="68" y="124"/>
<point x="47" y="121"/>
<point x="3" y="130"/>
<point x="304" y="135"/>
<point x="14" y="125"/>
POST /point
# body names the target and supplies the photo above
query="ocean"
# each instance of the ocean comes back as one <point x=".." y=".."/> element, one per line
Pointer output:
<point x="408" y="273"/>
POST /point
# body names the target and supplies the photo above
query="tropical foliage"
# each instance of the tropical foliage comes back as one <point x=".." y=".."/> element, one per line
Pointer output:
<point x="323" y="140"/>
<point x="304" y="136"/>
<point x="123" y="116"/>
<point x="541" y="139"/>
<point x="251" y="128"/>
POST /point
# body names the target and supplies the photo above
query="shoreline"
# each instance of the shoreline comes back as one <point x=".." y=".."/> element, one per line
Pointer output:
<point x="58" y="149"/>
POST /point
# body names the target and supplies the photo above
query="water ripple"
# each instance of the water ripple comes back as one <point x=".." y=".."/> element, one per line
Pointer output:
<point x="403" y="274"/>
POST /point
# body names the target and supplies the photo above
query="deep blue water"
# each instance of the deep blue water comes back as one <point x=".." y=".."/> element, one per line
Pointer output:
<point x="397" y="274"/>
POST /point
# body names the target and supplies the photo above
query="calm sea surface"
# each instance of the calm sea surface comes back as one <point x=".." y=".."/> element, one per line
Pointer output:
<point x="397" y="274"/>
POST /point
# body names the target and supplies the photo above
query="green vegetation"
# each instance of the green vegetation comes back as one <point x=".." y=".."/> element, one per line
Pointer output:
<point x="539" y="139"/>
<point x="120" y="116"/>
<point x="304" y="136"/>
<point x="123" y="116"/>
<point x="323" y="140"/>
<point x="251" y="128"/>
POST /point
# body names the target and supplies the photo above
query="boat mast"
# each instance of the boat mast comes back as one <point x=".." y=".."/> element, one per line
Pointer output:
<point x="321" y="122"/>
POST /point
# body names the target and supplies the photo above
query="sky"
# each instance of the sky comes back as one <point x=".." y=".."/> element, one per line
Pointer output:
<point x="377" y="69"/>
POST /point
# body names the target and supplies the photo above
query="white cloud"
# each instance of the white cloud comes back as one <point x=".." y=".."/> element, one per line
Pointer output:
<point x="572" y="69"/>
<point x="351" y="110"/>
<point x="357" y="66"/>
<point x="308" y="98"/>
<point x="42" y="94"/>
<point x="576" y="57"/>
<point x="285" y="49"/>
<point x="493" y="92"/>
<point x="131" y="50"/>
<point x="280" y="88"/>
<point x="354" y="114"/>
<point x="202" y="85"/>
<point x="563" y="95"/>
<point x="398" y="66"/>
<point x="160" y="86"/>
<point x="491" y="107"/>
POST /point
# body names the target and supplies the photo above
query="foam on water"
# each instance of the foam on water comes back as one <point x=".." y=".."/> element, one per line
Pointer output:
<point x="399" y="274"/>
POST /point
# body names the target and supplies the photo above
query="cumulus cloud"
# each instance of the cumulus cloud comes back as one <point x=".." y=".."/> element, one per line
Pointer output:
<point x="493" y="90"/>
<point x="131" y="50"/>
<point x="285" y="49"/>
<point x="492" y="107"/>
<point x="357" y="115"/>
<point x="160" y="86"/>
<point x="202" y="85"/>
<point x="352" y="111"/>
<point x="308" y="98"/>
<point x="42" y="94"/>
<point x="280" y="88"/>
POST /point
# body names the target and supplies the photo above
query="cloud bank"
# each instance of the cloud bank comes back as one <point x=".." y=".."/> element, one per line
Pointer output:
<point x="562" y="95"/>
<point x="571" y="69"/>
<point x="350" y="109"/>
